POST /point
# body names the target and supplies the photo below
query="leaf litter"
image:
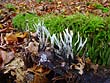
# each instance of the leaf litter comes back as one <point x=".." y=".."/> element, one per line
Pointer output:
<point x="27" y="57"/>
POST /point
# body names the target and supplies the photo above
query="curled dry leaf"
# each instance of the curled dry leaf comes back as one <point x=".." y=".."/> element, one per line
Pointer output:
<point x="21" y="35"/>
<point x="39" y="74"/>
<point x="33" y="47"/>
<point x="5" y="57"/>
<point x="92" y="66"/>
<point x="78" y="66"/>
<point x="12" y="38"/>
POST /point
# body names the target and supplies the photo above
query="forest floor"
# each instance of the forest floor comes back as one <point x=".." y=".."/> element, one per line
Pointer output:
<point x="18" y="49"/>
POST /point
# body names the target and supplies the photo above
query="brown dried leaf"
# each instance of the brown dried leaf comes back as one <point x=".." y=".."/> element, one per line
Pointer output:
<point x="21" y="35"/>
<point x="78" y="66"/>
<point x="33" y="47"/>
<point x="10" y="38"/>
<point x="40" y="74"/>
<point x="91" y="65"/>
<point x="94" y="67"/>
<point x="6" y="57"/>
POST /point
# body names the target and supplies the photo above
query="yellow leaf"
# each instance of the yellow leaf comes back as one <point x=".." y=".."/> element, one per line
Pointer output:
<point x="78" y="7"/>
<point x="10" y="38"/>
<point x="21" y="35"/>
<point x="1" y="26"/>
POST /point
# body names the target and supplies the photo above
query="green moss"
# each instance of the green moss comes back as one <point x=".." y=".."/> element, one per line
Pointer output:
<point x="21" y="19"/>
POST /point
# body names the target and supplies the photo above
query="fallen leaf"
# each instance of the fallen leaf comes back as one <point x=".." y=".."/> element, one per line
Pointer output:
<point x="33" y="47"/>
<point x="94" y="67"/>
<point x="21" y="35"/>
<point x="40" y="74"/>
<point x="1" y="26"/>
<point x="80" y="65"/>
<point x="78" y="8"/>
<point x="10" y="38"/>
<point x="6" y="57"/>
